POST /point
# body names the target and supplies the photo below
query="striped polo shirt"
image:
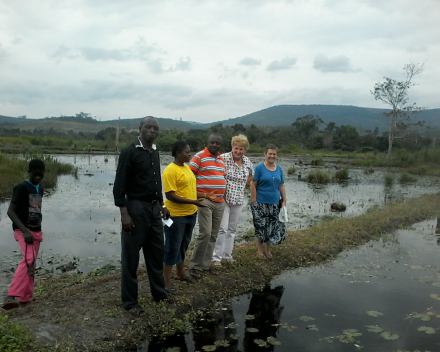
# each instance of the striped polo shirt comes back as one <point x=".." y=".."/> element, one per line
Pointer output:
<point x="210" y="173"/>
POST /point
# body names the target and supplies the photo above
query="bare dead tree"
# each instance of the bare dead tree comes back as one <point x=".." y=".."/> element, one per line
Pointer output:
<point x="395" y="94"/>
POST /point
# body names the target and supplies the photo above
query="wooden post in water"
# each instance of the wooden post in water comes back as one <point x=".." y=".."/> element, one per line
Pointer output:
<point x="117" y="136"/>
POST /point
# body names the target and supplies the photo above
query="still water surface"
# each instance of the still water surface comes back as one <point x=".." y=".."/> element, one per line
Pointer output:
<point x="325" y="308"/>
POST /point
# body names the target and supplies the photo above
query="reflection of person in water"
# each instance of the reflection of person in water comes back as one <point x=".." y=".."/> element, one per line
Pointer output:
<point x="160" y="344"/>
<point x="265" y="307"/>
<point x="219" y="325"/>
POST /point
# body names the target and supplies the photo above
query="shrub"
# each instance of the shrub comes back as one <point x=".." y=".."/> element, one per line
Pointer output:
<point x="291" y="170"/>
<point x="389" y="180"/>
<point x="406" y="178"/>
<point x="318" y="177"/>
<point x="369" y="171"/>
<point x="317" y="162"/>
<point x="341" y="175"/>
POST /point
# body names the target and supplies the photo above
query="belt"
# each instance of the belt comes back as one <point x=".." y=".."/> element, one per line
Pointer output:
<point x="146" y="199"/>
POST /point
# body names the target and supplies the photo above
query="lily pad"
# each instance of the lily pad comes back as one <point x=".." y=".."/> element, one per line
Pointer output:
<point x="209" y="348"/>
<point x="435" y="284"/>
<point x="173" y="349"/>
<point x="386" y="335"/>
<point x="261" y="343"/>
<point x="374" y="328"/>
<point x="426" y="329"/>
<point x="306" y="318"/>
<point x="252" y="330"/>
<point x="273" y="341"/>
<point x="435" y="296"/>
<point x="352" y="332"/>
<point x="373" y="313"/>
<point x="234" y="336"/>
<point x="312" y="328"/>
<point x="221" y="343"/>
<point x="249" y="317"/>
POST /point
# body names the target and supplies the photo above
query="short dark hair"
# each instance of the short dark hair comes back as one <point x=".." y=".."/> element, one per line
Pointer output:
<point x="145" y="118"/>
<point x="36" y="164"/>
<point x="271" y="146"/>
<point x="177" y="147"/>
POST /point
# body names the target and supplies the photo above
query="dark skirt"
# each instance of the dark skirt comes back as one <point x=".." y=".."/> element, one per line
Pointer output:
<point x="268" y="228"/>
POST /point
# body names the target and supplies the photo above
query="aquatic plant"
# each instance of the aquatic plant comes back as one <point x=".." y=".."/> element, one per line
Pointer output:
<point x="317" y="162"/>
<point x="318" y="177"/>
<point x="341" y="175"/>
<point x="291" y="170"/>
<point x="389" y="180"/>
<point x="406" y="178"/>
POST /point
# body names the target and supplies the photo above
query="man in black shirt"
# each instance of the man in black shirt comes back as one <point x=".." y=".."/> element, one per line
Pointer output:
<point x="137" y="192"/>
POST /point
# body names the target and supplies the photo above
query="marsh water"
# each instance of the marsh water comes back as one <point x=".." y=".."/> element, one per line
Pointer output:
<point x="382" y="297"/>
<point x="81" y="225"/>
<point x="308" y="309"/>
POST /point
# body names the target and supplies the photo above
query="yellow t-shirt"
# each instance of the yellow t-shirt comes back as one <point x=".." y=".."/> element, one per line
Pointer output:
<point x="181" y="180"/>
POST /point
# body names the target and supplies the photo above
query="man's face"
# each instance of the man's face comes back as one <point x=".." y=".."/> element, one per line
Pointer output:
<point x="36" y="176"/>
<point x="214" y="144"/>
<point x="149" y="130"/>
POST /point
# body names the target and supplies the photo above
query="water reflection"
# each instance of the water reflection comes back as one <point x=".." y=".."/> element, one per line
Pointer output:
<point x="266" y="309"/>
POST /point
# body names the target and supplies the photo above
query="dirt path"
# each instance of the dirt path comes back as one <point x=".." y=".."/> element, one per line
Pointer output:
<point x="77" y="313"/>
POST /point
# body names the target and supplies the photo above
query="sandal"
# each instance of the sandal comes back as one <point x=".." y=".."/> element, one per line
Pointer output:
<point x="136" y="311"/>
<point x="217" y="264"/>
<point x="10" y="303"/>
<point x="188" y="279"/>
<point x="195" y="274"/>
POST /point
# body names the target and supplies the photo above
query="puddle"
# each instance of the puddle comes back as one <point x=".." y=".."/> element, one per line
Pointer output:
<point x="383" y="296"/>
<point x="82" y="226"/>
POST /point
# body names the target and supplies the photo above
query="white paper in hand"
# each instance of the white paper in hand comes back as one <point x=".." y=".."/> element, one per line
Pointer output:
<point x="283" y="214"/>
<point x="168" y="222"/>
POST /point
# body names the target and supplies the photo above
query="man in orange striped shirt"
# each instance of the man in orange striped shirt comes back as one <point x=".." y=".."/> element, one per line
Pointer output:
<point x="209" y="168"/>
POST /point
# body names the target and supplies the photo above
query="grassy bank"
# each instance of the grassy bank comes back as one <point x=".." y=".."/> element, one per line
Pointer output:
<point x="84" y="313"/>
<point x="13" y="170"/>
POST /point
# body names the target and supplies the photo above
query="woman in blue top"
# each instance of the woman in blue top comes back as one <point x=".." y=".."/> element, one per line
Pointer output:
<point x="267" y="194"/>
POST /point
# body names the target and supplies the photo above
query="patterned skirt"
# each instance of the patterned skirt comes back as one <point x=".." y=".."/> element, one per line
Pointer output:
<point x="268" y="229"/>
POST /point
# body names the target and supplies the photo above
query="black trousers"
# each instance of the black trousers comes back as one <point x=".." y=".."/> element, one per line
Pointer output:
<point x="148" y="236"/>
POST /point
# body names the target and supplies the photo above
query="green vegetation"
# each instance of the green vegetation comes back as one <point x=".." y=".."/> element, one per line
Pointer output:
<point x="13" y="170"/>
<point x="406" y="178"/>
<point x="317" y="162"/>
<point x="13" y="337"/>
<point x="341" y="175"/>
<point x="318" y="177"/>
<point x="389" y="180"/>
<point x="291" y="170"/>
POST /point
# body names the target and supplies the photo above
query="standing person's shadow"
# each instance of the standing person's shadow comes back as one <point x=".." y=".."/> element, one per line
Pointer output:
<point x="266" y="309"/>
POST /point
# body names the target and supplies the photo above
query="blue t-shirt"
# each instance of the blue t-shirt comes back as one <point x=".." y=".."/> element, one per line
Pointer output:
<point x="268" y="184"/>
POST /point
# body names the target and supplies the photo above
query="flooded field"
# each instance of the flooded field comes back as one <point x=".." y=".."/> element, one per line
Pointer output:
<point x="81" y="225"/>
<point x="382" y="297"/>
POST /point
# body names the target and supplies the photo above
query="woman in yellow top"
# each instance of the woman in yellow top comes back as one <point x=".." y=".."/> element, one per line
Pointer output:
<point x="179" y="184"/>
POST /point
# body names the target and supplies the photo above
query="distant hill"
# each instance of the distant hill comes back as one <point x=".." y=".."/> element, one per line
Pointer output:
<point x="281" y="115"/>
<point x="366" y="118"/>
<point x="165" y="124"/>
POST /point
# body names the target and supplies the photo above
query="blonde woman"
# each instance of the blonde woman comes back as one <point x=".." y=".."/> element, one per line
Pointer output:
<point x="239" y="172"/>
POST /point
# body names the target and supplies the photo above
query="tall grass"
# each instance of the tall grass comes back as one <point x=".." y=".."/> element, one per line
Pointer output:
<point x="341" y="175"/>
<point x="318" y="177"/>
<point x="13" y="170"/>
<point x="389" y="180"/>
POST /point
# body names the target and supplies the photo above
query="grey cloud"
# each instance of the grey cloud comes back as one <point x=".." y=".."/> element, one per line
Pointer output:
<point x="98" y="54"/>
<point x="284" y="64"/>
<point x="184" y="64"/>
<point x="155" y="66"/>
<point x="3" y="52"/>
<point x="248" y="61"/>
<point x="417" y="49"/>
<point x="339" y="63"/>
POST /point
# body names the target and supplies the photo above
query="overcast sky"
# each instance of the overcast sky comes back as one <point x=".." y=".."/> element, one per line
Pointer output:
<point x="208" y="60"/>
